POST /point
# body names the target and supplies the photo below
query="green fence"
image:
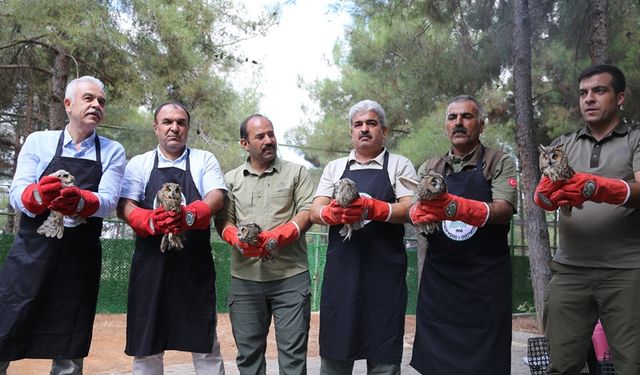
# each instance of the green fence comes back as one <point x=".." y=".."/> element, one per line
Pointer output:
<point x="116" y="259"/>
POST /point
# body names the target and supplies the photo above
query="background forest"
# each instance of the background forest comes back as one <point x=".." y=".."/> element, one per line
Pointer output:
<point x="409" y="55"/>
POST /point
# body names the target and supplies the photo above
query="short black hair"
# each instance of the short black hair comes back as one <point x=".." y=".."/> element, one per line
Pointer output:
<point x="243" y="124"/>
<point x="175" y="104"/>
<point x="618" y="82"/>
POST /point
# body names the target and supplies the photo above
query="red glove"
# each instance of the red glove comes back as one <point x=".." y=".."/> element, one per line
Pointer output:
<point x="147" y="223"/>
<point x="280" y="236"/>
<point x="195" y="215"/>
<point x="376" y="209"/>
<point x="36" y="197"/>
<point x="587" y="187"/>
<point x="450" y="207"/>
<point x="334" y="214"/>
<point x="75" y="201"/>
<point x="230" y="235"/>
<point x="545" y="188"/>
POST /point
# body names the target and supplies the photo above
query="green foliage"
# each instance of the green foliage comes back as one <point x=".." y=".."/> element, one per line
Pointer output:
<point x="412" y="55"/>
<point x="146" y="53"/>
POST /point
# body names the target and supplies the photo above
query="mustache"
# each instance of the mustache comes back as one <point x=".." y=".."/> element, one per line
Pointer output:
<point x="459" y="129"/>
<point x="95" y="112"/>
<point x="364" y="135"/>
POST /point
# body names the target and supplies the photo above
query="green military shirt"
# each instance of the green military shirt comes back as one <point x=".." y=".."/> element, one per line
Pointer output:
<point x="268" y="199"/>
<point x="498" y="168"/>
<point x="600" y="234"/>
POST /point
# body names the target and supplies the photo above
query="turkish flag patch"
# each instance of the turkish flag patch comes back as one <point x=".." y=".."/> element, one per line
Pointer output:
<point x="513" y="182"/>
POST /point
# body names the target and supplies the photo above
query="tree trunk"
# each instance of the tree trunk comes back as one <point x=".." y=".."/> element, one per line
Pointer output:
<point x="599" y="48"/>
<point x="536" y="226"/>
<point x="57" y="113"/>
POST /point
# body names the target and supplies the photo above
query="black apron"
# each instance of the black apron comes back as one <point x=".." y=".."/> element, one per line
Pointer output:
<point x="49" y="286"/>
<point x="463" y="318"/>
<point x="172" y="297"/>
<point x="364" y="293"/>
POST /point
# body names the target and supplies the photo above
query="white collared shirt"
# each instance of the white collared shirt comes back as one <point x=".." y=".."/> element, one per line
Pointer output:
<point x="398" y="166"/>
<point x="205" y="171"/>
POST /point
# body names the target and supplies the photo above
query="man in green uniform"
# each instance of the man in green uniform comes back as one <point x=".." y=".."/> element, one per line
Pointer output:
<point x="596" y="269"/>
<point x="272" y="277"/>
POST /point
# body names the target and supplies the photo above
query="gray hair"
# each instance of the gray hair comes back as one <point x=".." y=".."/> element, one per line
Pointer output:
<point x="366" y="106"/>
<point x="70" y="92"/>
<point x="467" y="98"/>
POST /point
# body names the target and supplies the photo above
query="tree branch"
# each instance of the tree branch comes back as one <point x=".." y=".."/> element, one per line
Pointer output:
<point x="24" y="66"/>
<point x="27" y="41"/>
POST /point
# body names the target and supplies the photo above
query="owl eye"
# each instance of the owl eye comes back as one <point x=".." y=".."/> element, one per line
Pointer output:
<point x="554" y="156"/>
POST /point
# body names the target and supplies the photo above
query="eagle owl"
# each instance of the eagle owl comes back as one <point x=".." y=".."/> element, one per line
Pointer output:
<point x="346" y="192"/>
<point x="248" y="232"/>
<point x="553" y="163"/>
<point x="430" y="186"/>
<point x="53" y="226"/>
<point x="170" y="197"/>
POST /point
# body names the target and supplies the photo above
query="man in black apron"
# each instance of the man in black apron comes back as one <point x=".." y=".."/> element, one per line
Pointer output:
<point x="172" y="297"/>
<point x="463" y="317"/>
<point x="49" y="286"/>
<point x="364" y="292"/>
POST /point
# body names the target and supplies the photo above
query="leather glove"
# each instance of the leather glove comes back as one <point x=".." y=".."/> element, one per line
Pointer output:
<point x="280" y="236"/>
<point x="542" y="195"/>
<point x="376" y="210"/>
<point x="195" y="215"/>
<point x="334" y="214"/>
<point x="37" y="197"/>
<point x="76" y="201"/>
<point x="450" y="207"/>
<point x="147" y="223"/>
<point x="230" y="235"/>
<point x="588" y="187"/>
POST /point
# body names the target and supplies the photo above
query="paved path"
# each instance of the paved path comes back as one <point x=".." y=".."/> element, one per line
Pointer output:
<point x="518" y="367"/>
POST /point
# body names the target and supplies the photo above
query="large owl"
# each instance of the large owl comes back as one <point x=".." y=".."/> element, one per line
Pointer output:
<point x="430" y="186"/>
<point x="53" y="226"/>
<point x="346" y="192"/>
<point x="553" y="163"/>
<point x="248" y="232"/>
<point x="170" y="197"/>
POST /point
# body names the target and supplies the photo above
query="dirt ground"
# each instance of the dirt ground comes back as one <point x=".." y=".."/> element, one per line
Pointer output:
<point x="107" y="348"/>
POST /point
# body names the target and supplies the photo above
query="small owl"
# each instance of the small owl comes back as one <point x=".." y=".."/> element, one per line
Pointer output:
<point x="553" y="163"/>
<point x="430" y="186"/>
<point x="53" y="226"/>
<point x="170" y="197"/>
<point x="346" y="192"/>
<point x="248" y="232"/>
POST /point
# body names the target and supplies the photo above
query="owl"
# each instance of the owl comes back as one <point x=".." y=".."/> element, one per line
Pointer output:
<point x="346" y="192"/>
<point x="553" y="163"/>
<point x="248" y="232"/>
<point x="170" y="197"/>
<point x="53" y="226"/>
<point x="430" y="186"/>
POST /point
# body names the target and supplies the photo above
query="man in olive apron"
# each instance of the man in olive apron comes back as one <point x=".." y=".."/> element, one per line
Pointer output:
<point x="172" y="297"/>
<point x="364" y="292"/>
<point x="463" y="317"/>
<point x="49" y="285"/>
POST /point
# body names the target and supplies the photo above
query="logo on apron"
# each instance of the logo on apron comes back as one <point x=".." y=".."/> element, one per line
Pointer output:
<point x="71" y="222"/>
<point x="458" y="230"/>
